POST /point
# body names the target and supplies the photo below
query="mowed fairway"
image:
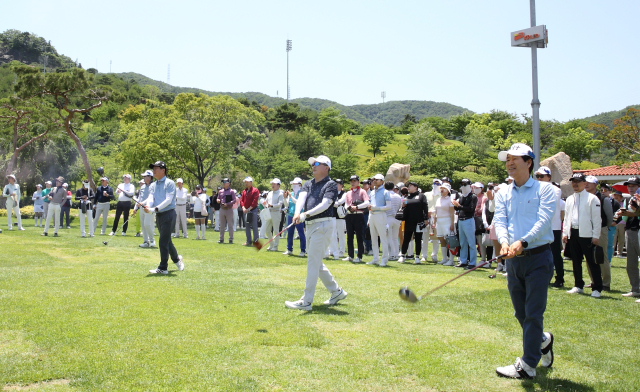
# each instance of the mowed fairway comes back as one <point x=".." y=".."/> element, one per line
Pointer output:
<point x="78" y="315"/>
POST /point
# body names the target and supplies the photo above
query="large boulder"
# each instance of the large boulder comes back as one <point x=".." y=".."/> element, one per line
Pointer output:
<point x="561" y="172"/>
<point x="398" y="172"/>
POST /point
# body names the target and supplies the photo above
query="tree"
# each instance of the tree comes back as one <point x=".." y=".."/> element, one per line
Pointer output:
<point x="447" y="160"/>
<point x="19" y="115"/>
<point x="577" y="143"/>
<point x="193" y="136"/>
<point x="459" y="123"/>
<point x="287" y="116"/>
<point x="306" y="142"/>
<point x="332" y="122"/>
<point x="624" y="137"/>
<point x="339" y="145"/>
<point x="422" y="144"/>
<point x="377" y="136"/>
<point x="72" y="94"/>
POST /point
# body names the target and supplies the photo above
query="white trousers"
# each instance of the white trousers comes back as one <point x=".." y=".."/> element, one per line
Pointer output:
<point x="89" y="218"/>
<point x="147" y="225"/>
<point x="101" y="209"/>
<point x="338" y="238"/>
<point x="235" y="217"/>
<point x="392" y="235"/>
<point x="217" y="219"/>
<point x="181" y="219"/>
<point x="272" y="224"/>
<point x="378" y="227"/>
<point x="15" y="207"/>
<point x="318" y="239"/>
<point x="54" y="211"/>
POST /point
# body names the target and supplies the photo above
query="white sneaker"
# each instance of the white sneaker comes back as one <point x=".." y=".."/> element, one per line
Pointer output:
<point x="180" y="264"/>
<point x="158" y="271"/>
<point x="23" y="229"/>
<point x="91" y="235"/>
<point x="123" y="233"/>
<point x="173" y="235"/>
<point x="370" y="253"/>
<point x="417" y="261"/>
<point x="449" y="263"/>
<point x="299" y="304"/>
<point x="357" y="260"/>
<point x="347" y="259"/>
<point x="152" y="244"/>
<point x="336" y="257"/>
<point x="373" y="262"/>
<point x="340" y="295"/>
<point x="518" y="370"/>
<point x="434" y="259"/>
<point x="576" y="290"/>
<point x="422" y="259"/>
<point x="442" y="262"/>
<point x="144" y="245"/>
<point x="638" y="301"/>
<point x="631" y="294"/>
<point x="547" y="351"/>
<point x="84" y="235"/>
<point x="302" y="254"/>
<point x="595" y="294"/>
<point x="287" y="253"/>
<point x="383" y="264"/>
<point x="112" y="234"/>
<point x="401" y="259"/>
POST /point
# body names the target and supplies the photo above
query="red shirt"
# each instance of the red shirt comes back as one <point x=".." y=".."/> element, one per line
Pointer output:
<point x="249" y="198"/>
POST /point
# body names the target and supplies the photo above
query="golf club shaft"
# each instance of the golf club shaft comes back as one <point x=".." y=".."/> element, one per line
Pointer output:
<point x="459" y="276"/>
<point x="274" y="237"/>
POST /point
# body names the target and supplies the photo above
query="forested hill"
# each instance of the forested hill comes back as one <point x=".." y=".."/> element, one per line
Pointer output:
<point x="607" y="118"/>
<point x="393" y="113"/>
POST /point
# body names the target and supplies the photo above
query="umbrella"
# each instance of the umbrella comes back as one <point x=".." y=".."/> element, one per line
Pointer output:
<point x="619" y="186"/>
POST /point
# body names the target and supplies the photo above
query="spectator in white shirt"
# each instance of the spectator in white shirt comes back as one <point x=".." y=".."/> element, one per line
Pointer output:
<point x="182" y="196"/>
<point x="443" y="222"/>
<point x="544" y="174"/>
<point x="200" y="211"/>
<point x="12" y="193"/>
<point x="125" y="191"/>
<point x="38" y="205"/>
<point x="146" y="218"/>
<point x="274" y="202"/>
<point x="395" y="202"/>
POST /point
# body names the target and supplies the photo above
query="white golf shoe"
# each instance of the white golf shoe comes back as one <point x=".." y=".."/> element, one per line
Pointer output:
<point x="144" y="245"/>
<point x="356" y="260"/>
<point x="347" y="259"/>
<point x="576" y="290"/>
<point x="180" y="264"/>
<point x="335" y="297"/>
<point x="158" y="271"/>
<point x="518" y="370"/>
<point x="372" y="262"/>
<point x="299" y="305"/>
<point x="595" y="294"/>
<point x="287" y="253"/>
<point x="547" y="350"/>
<point x="401" y="260"/>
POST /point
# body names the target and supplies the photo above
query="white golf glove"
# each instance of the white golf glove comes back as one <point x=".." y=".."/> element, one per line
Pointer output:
<point x="303" y="216"/>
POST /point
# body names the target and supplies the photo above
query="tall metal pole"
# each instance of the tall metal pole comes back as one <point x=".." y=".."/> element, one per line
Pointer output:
<point x="535" y="103"/>
<point x="383" y="95"/>
<point x="288" y="50"/>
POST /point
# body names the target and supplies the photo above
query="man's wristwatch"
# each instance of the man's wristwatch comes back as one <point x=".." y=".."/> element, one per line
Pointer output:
<point x="156" y="209"/>
<point x="524" y="243"/>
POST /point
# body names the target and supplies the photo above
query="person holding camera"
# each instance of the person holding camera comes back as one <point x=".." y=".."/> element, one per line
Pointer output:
<point x="416" y="216"/>
<point x="466" y="207"/>
<point x="356" y="201"/>
<point x="12" y="193"/>
<point x="630" y="211"/>
<point x="290" y="200"/>
<point x="226" y="197"/>
<point x="104" y="194"/>
<point x="84" y="196"/>
<point x="56" y="197"/>
<point x="38" y="206"/>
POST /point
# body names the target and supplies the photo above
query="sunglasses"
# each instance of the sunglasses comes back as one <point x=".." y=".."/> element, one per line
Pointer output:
<point x="539" y="175"/>
<point x="317" y="164"/>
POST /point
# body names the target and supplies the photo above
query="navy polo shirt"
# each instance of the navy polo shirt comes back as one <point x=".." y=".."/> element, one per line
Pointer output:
<point x="316" y="191"/>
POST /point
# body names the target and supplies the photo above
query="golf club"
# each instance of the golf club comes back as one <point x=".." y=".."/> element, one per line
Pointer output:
<point x="409" y="296"/>
<point x="120" y="228"/>
<point x="495" y="273"/>
<point x="259" y="245"/>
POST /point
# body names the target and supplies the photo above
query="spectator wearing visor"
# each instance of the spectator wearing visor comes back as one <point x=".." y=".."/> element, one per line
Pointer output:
<point x="45" y="199"/>
<point x="200" y="211"/>
<point x="443" y="218"/>
<point x="56" y="197"/>
<point x="581" y="231"/>
<point x="227" y="198"/>
<point x="38" y="206"/>
<point x="606" y="216"/>
<point x="356" y="201"/>
<point x="182" y="199"/>
<point x="466" y="207"/>
<point x="544" y="174"/>
<point x="12" y="193"/>
<point x="290" y="200"/>
<point x="125" y="192"/>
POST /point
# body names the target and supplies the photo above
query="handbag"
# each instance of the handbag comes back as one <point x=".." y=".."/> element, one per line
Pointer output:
<point x="479" y="225"/>
<point x="453" y="243"/>
<point x="486" y="239"/>
<point x="341" y="211"/>
<point x="400" y="214"/>
<point x="598" y="254"/>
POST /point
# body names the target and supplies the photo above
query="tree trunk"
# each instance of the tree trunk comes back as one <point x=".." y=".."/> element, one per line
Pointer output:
<point x="81" y="150"/>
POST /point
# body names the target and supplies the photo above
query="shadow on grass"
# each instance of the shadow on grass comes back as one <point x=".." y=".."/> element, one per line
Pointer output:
<point x="326" y="309"/>
<point x="171" y="274"/>
<point x="553" y="384"/>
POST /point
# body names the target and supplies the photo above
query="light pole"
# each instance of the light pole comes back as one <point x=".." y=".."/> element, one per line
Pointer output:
<point x="383" y="95"/>
<point x="288" y="89"/>
<point x="535" y="103"/>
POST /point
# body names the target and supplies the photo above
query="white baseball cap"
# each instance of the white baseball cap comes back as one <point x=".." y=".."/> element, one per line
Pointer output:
<point x="127" y="176"/>
<point x="179" y="180"/>
<point x="147" y="173"/>
<point x="592" y="179"/>
<point x="478" y="185"/>
<point x="322" y="159"/>
<point x="275" y="181"/>
<point x="543" y="170"/>
<point x="378" y="177"/>
<point x="296" y="180"/>
<point x="65" y="185"/>
<point x="39" y="186"/>
<point x="104" y="179"/>
<point x="518" y="150"/>
<point x="248" y="179"/>
<point x="47" y="182"/>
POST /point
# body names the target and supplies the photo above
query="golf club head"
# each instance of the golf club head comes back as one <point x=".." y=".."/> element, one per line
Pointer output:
<point x="257" y="244"/>
<point x="104" y="242"/>
<point x="492" y="276"/>
<point x="408" y="295"/>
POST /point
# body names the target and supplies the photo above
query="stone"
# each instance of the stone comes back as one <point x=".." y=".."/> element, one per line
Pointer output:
<point x="561" y="172"/>
<point x="398" y="172"/>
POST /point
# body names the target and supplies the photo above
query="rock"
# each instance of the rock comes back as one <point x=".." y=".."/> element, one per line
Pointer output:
<point x="561" y="172"/>
<point x="398" y="172"/>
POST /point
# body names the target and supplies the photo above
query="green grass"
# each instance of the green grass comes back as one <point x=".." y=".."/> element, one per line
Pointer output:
<point x="76" y="311"/>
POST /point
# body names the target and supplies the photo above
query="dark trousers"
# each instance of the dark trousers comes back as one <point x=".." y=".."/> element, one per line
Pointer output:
<point x="556" y="250"/>
<point x="252" y="224"/>
<point x="355" y="225"/>
<point x="291" y="233"/>
<point x="528" y="281"/>
<point x="410" y="230"/>
<point x="584" y="247"/>
<point x="366" y="233"/>
<point x="242" y="222"/>
<point x="122" y="207"/>
<point x="166" y="223"/>
<point x="64" y="211"/>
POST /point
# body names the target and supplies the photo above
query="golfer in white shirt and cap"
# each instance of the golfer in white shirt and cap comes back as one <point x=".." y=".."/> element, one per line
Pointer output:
<point x="12" y="193"/>
<point x="182" y="196"/>
<point x="274" y="202"/>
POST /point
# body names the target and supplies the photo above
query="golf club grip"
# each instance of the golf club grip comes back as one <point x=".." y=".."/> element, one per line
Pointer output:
<point x="461" y="275"/>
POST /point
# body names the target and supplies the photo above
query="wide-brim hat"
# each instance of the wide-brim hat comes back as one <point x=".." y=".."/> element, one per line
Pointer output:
<point x="11" y="176"/>
<point x="60" y="178"/>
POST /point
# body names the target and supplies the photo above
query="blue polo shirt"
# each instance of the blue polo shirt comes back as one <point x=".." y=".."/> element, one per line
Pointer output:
<point x="379" y="197"/>
<point x="164" y="194"/>
<point x="525" y="213"/>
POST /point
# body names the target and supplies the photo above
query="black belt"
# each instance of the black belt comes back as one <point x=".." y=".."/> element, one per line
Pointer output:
<point x="634" y="229"/>
<point x="534" y="251"/>
<point x="462" y="219"/>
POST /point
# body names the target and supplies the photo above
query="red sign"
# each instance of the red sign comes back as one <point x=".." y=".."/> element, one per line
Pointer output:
<point x="521" y="35"/>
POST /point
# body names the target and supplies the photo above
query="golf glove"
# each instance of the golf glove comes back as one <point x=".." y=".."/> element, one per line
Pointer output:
<point x="302" y="217"/>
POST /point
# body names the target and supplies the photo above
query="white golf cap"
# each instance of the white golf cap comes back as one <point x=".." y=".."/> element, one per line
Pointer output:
<point x="11" y="176"/>
<point x="592" y="179"/>
<point x="296" y="180"/>
<point x="543" y="170"/>
<point x="127" y="176"/>
<point x="446" y="186"/>
<point x="400" y="185"/>
<point x="65" y="185"/>
<point x="47" y="182"/>
<point x="478" y="185"/>
<point x="104" y="179"/>
<point x="179" y="180"/>
<point x="275" y="181"/>
<point x="39" y="186"/>
<point x="322" y="159"/>
<point x="147" y="173"/>
<point x="518" y="150"/>
<point x="248" y="179"/>
<point x="378" y="177"/>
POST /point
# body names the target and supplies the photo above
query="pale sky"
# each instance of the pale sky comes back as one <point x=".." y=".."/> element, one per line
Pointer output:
<point x="350" y="51"/>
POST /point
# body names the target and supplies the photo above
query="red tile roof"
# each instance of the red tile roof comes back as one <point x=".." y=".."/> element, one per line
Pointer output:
<point x="612" y="170"/>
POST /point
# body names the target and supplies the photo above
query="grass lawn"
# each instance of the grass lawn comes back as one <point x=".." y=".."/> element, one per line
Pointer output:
<point x="77" y="315"/>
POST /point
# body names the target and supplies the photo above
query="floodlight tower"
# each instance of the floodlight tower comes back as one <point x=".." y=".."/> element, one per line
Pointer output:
<point x="383" y="95"/>
<point x="288" y="89"/>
